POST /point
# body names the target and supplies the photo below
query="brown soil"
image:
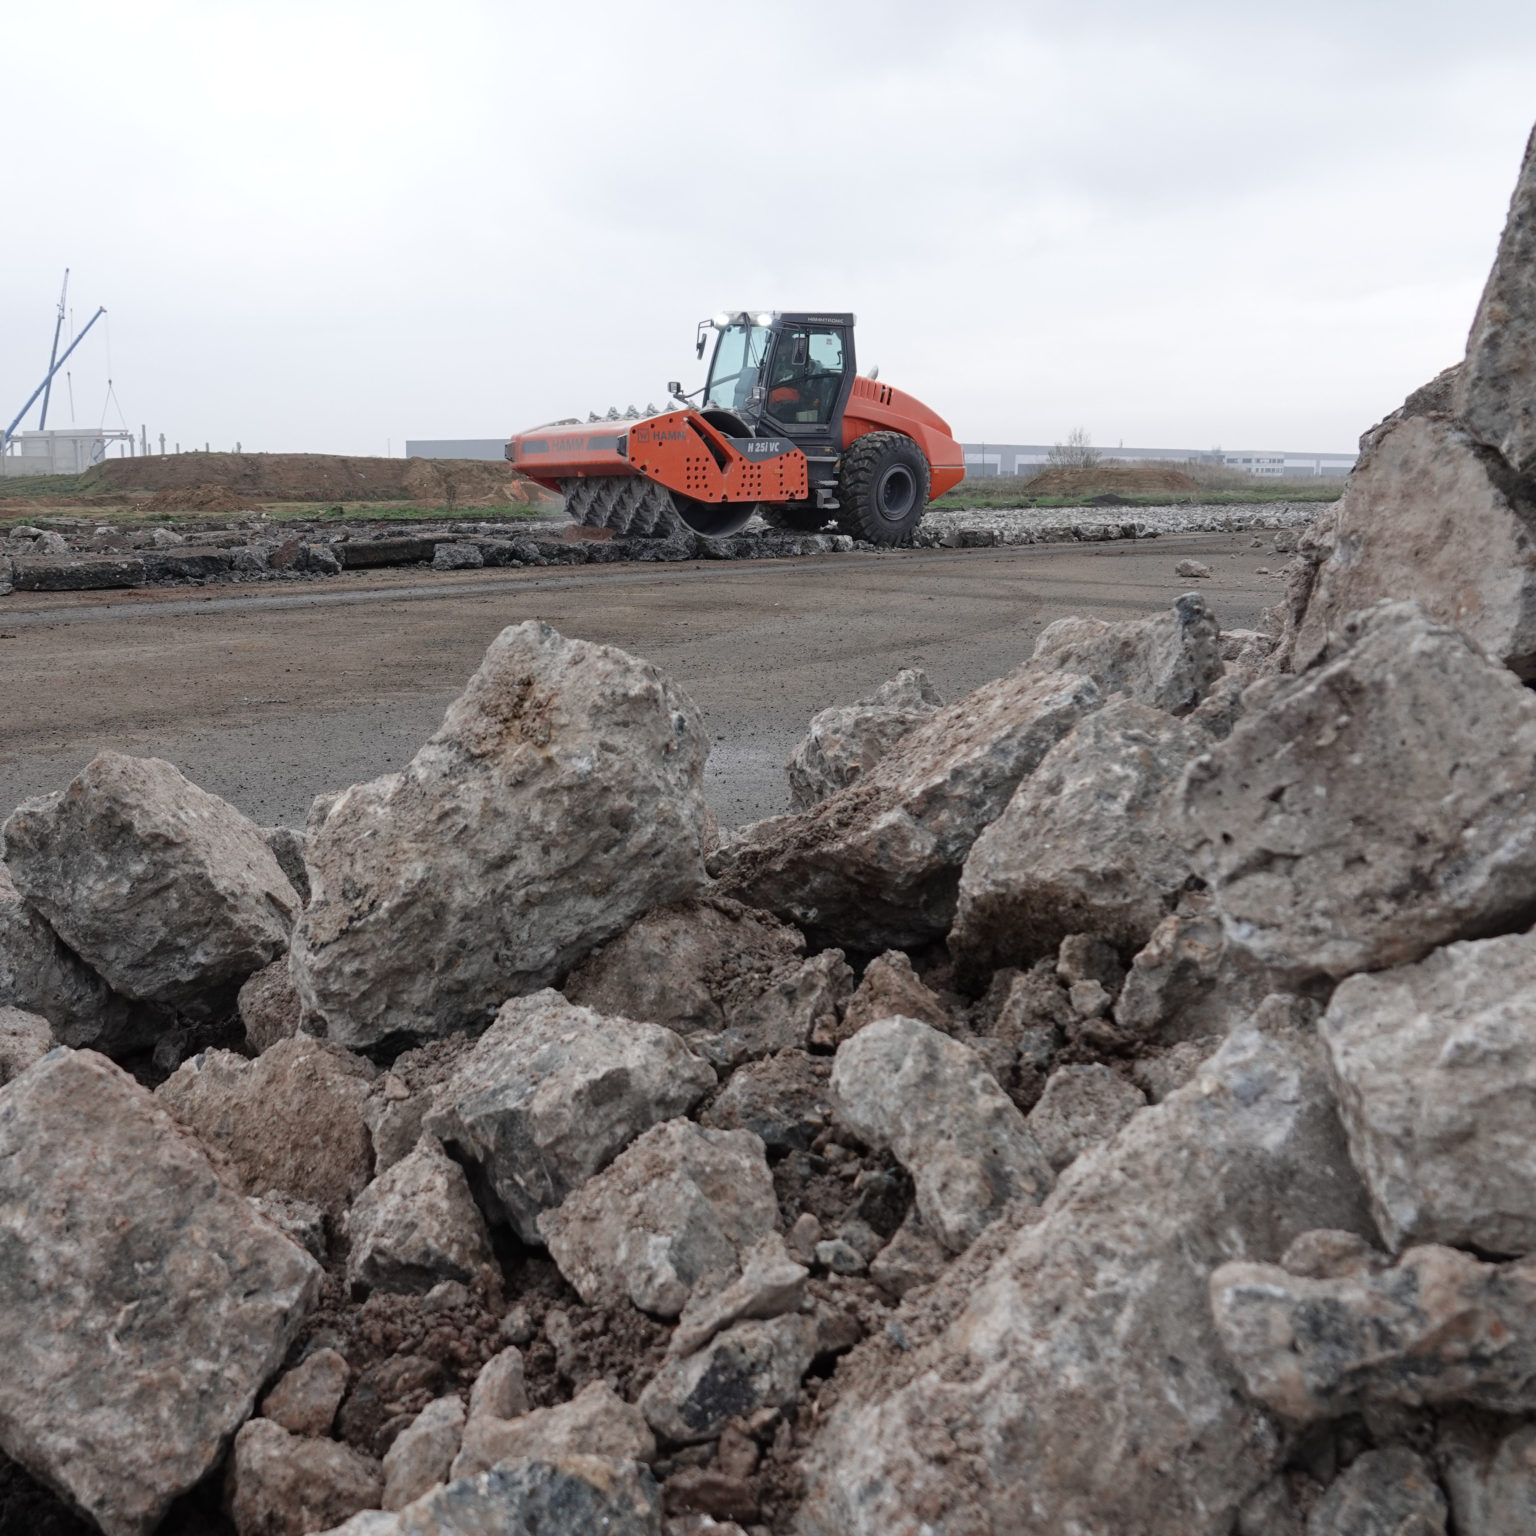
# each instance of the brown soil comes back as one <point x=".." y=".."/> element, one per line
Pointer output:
<point x="258" y="477"/>
<point x="199" y="498"/>
<point x="1084" y="482"/>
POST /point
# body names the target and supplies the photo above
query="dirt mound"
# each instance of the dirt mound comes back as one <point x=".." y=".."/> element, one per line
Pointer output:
<point x="1133" y="481"/>
<point x="257" y="477"/>
<point x="199" y="498"/>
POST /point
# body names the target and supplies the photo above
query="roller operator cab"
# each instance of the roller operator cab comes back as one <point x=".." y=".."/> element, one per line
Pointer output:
<point x="784" y="425"/>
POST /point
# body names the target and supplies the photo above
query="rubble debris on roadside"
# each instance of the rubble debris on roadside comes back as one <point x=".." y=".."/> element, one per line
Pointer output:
<point x="1104" y="1103"/>
<point x="78" y="554"/>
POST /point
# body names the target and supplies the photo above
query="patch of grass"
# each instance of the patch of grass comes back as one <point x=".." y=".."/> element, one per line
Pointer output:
<point x="36" y="486"/>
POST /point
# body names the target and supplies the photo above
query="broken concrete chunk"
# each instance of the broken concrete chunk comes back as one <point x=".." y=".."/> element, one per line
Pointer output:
<point x="416" y="1225"/>
<point x="846" y="741"/>
<point x="145" y="1303"/>
<point x="1033" y="1013"/>
<point x="457" y="557"/>
<point x="305" y="1399"/>
<point x="784" y="1100"/>
<point x="269" y="1006"/>
<point x="1384" y="1493"/>
<point x="1439" y="1326"/>
<point x="299" y="1221"/>
<point x="770" y="1283"/>
<point x="559" y="800"/>
<point x="840" y="1256"/>
<point x="292" y="1120"/>
<point x="913" y="1257"/>
<point x="1089" y="957"/>
<point x="1374" y="807"/>
<point x="677" y="1204"/>
<point x="1435" y="1068"/>
<point x="901" y="1085"/>
<point x="1491" y="1479"/>
<point x="163" y="889"/>
<point x="39" y="974"/>
<point x="75" y="573"/>
<point x="733" y="981"/>
<point x="1061" y="1345"/>
<point x="1431" y="515"/>
<point x="1326" y="1254"/>
<point x="1086" y="845"/>
<point x="877" y="865"/>
<point x="1272" y="1511"/>
<point x="746" y="1368"/>
<point x="25" y="1038"/>
<point x="402" y="1098"/>
<point x="1163" y="1074"/>
<point x="552" y="1092"/>
<point x="287" y="1485"/>
<point x="423" y="1452"/>
<point x="1496" y="391"/>
<point x="890" y="988"/>
<point x="288" y="845"/>
<point x="1081" y="1106"/>
<point x="1167" y="662"/>
<point x="596" y="1422"/>
<point x="801" y="1008"/>
<point x="690" y="966"/>
<point x="529" y="1498"/>
<point x="498" y="1392"/>
<point x="1184" y="983"/>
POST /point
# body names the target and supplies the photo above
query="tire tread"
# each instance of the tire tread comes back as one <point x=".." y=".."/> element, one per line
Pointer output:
<point x="856" y="484"/>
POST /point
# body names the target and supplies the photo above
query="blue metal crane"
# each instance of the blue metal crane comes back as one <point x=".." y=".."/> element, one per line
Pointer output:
<point x="5" y="436"/>
<point x="53" y="356"/>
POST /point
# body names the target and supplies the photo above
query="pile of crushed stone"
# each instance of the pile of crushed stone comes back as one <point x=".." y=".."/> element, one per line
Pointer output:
<point x="1105" y="1102"/>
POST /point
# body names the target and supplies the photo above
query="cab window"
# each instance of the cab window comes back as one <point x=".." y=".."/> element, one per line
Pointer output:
<point x="738" y="360"/>
<point x="806" y="375"/>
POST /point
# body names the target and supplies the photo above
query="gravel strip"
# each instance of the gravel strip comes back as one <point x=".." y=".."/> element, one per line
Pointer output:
<point x="977" y="527"/>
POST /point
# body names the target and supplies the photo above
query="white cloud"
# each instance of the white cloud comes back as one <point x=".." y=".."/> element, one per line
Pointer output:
<point x="324" y="225"/>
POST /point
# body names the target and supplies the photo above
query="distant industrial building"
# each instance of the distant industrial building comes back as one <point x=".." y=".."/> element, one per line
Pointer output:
<point x="989" y="459"/>
<point x="455" y="448"/>
<point x="61" y="451"/>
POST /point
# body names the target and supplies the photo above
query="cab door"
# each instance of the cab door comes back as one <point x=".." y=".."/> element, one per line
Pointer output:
<point x="810" y="376"/>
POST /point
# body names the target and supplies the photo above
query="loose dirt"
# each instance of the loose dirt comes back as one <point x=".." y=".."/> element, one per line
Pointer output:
<point x="257" y="478"/>
<point x="198" y="498"/>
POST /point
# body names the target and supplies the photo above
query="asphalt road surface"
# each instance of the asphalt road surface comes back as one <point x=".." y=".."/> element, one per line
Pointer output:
<point x="268" y="695"/>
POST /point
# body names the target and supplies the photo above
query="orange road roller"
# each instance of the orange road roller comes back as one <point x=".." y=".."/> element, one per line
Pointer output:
<point x="784" y="426"/>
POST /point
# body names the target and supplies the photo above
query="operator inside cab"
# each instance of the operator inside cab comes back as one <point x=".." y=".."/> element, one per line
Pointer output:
<point x="806" y="374"/>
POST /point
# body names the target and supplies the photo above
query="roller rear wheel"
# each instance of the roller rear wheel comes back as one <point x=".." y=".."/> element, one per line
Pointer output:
<point x="883" y="488"/>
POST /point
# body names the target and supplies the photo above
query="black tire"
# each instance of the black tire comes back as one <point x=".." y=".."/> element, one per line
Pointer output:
<point x="794" y="516"/>
<point x="883" y="488"/>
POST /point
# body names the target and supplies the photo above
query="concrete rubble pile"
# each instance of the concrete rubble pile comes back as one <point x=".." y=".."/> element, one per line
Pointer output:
<point x="78" y="554"/>
<point x="1105" y="1103"/>
<point x="257" y="548"/>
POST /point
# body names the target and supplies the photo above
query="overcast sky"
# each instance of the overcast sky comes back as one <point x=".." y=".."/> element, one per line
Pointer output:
<point x="330" y="226"/>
